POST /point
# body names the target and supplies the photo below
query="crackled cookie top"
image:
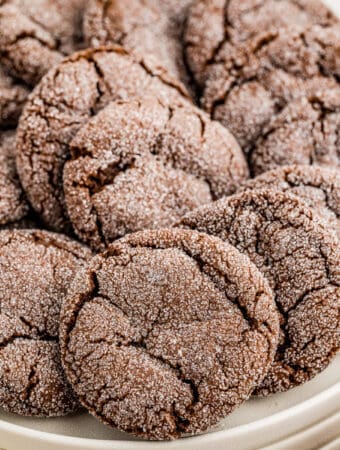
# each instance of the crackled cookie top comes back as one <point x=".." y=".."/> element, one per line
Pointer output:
<point x="152" y="28"/>
<point x="300" y="258"/>
<point x="211" y="23"/>
<point x="167" y="332"/>
<point x="36" y="268"/>
<point x="317" y="186"/>
<point x="13" y="205"/>
<point x="66" y="98"/>
<point x="305" y="132"/>
<point x="36" y="34"/>
<point x="12" y="99"/>
<point x="144" y="164"/>
<point x="248" y="84"/>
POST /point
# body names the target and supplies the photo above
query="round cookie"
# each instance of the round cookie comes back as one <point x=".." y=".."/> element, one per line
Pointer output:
<point x="36" y="34"/>
<point x="167" y="332"/>
<point x="142" y="164"/>
<point x="300" y="258"/>
<point x="13" y="96"/>
<point x="152" y="28"/>
<point x="249" y="84"/>
<point x="317" y="186"/>
<point x="13" y="205"/>
<point x="36" y="268"/>
<point x="305" y="132"/>
<point x="66" y="98"/>
<point x="211" y="23"/>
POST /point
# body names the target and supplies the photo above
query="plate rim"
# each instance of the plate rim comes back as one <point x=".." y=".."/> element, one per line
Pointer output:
<point x="212" y="436"/>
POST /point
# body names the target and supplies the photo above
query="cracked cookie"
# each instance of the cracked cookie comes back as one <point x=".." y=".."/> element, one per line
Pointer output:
<point x="36" y="34"/>
<point x="36" y="268"/>
<point x="212" y="23"/>
<point x="305" y="132"/>
<point x="317" y="186"/>
<point x="248" y="84"/>
<point x="64" y="101"/>
<point x="13" y="96"/>
<point x="13" y="205"/>
<point x="300" y="258"/>
<point x="152" y="28"/>
<point x="167" y="332"/>
<point x="141" y="164"/>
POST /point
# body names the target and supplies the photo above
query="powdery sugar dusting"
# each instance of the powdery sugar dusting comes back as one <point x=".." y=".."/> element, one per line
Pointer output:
<point x="212" y="23"/>
<point x="144" y="164"/>
<point x="300" y="259"/>
<point x="167" y="332"/>
<point x="67" y="97"/>
<point x="13" y="206"/>
<point x="151" y="28"/>
<point x="36" y="268"/>
<point x="317" y="186"/>
<point x="248" y="84"/>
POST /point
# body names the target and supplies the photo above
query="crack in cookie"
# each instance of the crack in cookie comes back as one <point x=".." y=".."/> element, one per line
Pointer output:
<point x="155" y="343"/>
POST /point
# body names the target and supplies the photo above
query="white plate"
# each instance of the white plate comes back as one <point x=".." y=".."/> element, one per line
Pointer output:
<point x="260" y="421"/>
<point x="302" y="413"/>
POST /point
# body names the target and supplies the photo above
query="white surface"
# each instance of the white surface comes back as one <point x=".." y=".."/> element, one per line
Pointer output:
<point x="261" y="421"/>
<point x="304" y="418"/>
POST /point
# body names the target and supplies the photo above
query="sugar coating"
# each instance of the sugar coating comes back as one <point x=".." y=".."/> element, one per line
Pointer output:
<point x="212" y="23"/>
<point x="65" y="100"/>
<point x="305" y="132"/>
<point x="144" y="164"/>
<point x="13" y="96"/>
<point x="35" y="34"/>
<point x="319" y="187"/>
<point x="247" y="85"/>
<point x="300" y="259"/>
<point x="13" y="205"/>
<point x="152" y="28"/>
<point x="167" y="332"/>
<point x="36" y="268"/>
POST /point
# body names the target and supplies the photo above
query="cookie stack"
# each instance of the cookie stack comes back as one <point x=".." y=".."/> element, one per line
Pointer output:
<point x="169" y="206"/>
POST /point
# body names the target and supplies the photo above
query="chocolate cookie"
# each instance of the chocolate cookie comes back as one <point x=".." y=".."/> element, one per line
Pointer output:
<point x="212" y="23"/>
<point x="36" y="268"/>
<point x="317" y="186"/>
<point x="27" y="223"/>
<point x="300" y="258"/>
<point x="305" y="132"/>
<point x="248" y="84"/>
<point x="13" y="205"/>
<point x="65" y="100"/>
<point x="142" y="164"/>
<point x="152" y="28"/>
<point x="36" y="34"/>
<point x="13" y="96"/>
<point x="167" y="332"/>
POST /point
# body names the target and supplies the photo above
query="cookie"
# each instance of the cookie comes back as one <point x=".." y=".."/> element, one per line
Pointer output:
<point x="142" y="164"/>
<point x="300" y="258"/>
<point x="29" y="222"/>
<point x="167" y="332"/>
<point x="305" y="132"/>
<point x="247" y="85"/>
<point x="35" y="35"/>
<point x="317" y="186"/>
<point x="13" y="205"/>
<point x="13" y="96"/>
<point x="211" y="23"/>
<point x="67" y="97"/>
<point x="36" y="268"/>
<point x="151" y="28"/>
